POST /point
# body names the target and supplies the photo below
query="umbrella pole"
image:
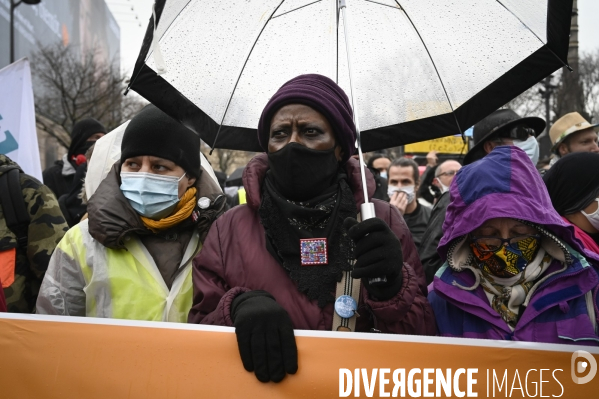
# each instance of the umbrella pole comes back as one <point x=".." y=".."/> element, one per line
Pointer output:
<point x="367" y="208"/>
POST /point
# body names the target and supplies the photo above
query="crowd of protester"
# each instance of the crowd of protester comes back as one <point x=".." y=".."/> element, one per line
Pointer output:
<point x="490" y="247"/>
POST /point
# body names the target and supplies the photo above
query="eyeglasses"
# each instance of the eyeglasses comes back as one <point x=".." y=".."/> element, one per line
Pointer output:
<point x="520" y="132"/>
<point x="492" y="244"/>
<point x="448" y="173"/>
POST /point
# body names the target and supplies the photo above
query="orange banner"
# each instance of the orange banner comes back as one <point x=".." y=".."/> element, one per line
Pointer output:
<point x="63" y="358"/>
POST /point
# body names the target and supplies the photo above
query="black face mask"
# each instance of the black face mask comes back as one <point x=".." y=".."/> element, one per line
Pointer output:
<point x="83" y="148"/>
<point x="300" y="173"/>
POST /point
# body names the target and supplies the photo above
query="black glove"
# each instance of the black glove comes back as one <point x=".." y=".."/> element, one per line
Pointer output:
<point x="378" y="254"/>
<point x="264" y="336"/>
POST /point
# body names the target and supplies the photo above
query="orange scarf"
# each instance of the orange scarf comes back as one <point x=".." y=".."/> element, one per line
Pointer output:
<point x="182" y="211"/>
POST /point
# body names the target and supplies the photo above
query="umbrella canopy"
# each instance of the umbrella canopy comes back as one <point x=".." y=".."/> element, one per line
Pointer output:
<point x="422" y="69"/>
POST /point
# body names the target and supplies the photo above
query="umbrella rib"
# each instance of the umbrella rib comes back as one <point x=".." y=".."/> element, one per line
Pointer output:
<point x="240" y="73"/>
<point x="535" y="35"/>
<point x="436" y="70"/>
<point x="298" y="8"/>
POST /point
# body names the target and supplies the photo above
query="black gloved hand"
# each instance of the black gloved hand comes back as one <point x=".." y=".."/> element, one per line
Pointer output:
<point x="264" y="336"/>
<point x="378" y="254"/>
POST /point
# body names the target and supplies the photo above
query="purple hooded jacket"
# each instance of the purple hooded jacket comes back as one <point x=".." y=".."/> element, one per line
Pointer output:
<point x="235" y="260"/>
<point x="563" y="309"/>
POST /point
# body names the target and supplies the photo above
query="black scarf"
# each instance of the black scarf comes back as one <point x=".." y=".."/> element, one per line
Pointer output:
<point x="286" y="221"/>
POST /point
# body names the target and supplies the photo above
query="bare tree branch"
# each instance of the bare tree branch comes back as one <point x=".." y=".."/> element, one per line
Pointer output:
<point x="567" y="97"/>
<point x="74" y="86"/>
<point x="589" y="81"/>
<point x="529" y="103"/>
<point x="53" y="129"/>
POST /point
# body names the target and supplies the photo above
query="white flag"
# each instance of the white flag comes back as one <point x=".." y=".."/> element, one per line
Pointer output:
<point x="18" y="137"/>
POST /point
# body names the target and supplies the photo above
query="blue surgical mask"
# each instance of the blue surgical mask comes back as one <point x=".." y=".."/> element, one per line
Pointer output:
<point x="383" y="174"/>
<point x="531" y="147"/>
<point x="150" y="195"/>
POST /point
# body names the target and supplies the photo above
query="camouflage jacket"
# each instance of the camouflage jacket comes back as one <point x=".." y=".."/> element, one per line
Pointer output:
<point x="46" y="229"/>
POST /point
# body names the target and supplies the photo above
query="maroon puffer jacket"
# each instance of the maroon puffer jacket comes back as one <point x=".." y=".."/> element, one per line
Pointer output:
<point x="234" y="260"/>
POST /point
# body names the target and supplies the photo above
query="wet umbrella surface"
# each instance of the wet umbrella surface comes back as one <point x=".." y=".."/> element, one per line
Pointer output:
<point x="421" y="68"/>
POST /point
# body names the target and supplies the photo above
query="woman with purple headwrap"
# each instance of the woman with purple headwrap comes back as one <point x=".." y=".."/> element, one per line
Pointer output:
<point x="276" y="264"/>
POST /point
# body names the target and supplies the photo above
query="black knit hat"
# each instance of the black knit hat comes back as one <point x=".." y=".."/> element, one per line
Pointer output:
<point x="573" y="182"/>
<point x="82" y="131"/>
<point x="152" y="132"/>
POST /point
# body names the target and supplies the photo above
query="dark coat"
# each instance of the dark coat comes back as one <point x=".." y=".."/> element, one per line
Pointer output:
<point x="56" y="181"/>
<point x="46" y="229"/>
<point x="71" y="204"/>
<point x="417" y="222"/>
<point x="380" y="191"/>
<point x="234" y="260"/>
<point x="431" y="261"/>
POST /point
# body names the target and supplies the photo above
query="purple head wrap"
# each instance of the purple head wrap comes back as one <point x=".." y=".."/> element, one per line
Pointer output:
<point x="321" y="94"/>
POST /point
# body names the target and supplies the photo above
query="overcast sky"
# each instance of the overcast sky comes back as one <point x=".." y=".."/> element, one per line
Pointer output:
<point x="132" y="34"/>
<point x="588" y="30"/>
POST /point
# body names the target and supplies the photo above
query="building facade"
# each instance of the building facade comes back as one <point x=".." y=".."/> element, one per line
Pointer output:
<point x="83" y="25"/>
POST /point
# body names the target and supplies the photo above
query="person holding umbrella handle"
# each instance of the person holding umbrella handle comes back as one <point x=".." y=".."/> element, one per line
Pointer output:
<point x="296" y="255"/>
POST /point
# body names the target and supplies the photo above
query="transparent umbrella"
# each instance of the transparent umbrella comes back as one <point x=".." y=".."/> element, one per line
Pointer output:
<point x="414" y="69"/>
<point x="421" y="69"/>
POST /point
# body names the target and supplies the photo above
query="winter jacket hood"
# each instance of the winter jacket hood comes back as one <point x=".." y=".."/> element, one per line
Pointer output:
<point x="111" y="217"/>
<point x="504" y="183"/>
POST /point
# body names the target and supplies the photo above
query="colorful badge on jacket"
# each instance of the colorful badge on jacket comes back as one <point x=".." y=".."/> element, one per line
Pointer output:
<point x="314" y="251"/>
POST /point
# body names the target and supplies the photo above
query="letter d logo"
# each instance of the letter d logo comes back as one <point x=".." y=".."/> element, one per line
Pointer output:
<point x="579" y="367"/>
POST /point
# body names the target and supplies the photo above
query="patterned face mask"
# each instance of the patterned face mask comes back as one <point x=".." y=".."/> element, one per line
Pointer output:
<point x="502" y="260"/>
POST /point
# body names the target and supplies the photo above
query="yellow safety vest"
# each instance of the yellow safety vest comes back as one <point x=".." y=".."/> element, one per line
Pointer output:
<point x="126" y="283"/>
<point x="241" y="194"/>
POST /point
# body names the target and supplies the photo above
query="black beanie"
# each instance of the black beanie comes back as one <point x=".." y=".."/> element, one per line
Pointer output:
<point x="573" y="182"/>
<point x="152" y="132"/>
<point x="82" y="131"/>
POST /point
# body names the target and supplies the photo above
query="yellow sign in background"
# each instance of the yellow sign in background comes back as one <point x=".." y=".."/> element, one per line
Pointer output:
<point x="444" y="145"/>
<point x="68" y="358"/>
